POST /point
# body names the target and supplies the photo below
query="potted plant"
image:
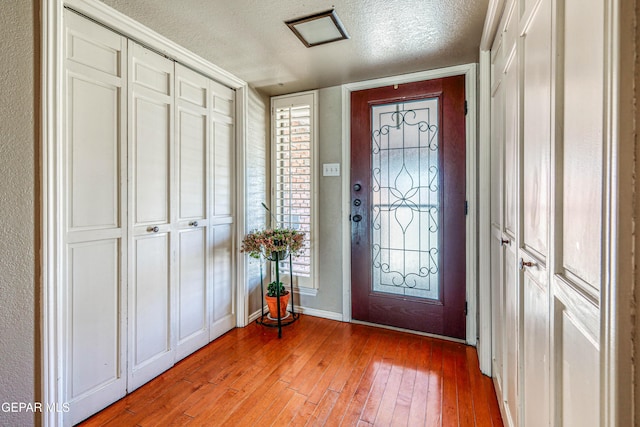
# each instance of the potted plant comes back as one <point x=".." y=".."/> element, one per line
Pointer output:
<point x="272" y="299"/>
<point x="274" y="244"/>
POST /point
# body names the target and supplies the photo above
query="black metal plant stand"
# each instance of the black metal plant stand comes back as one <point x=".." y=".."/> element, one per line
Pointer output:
<point x="279" y="322"/>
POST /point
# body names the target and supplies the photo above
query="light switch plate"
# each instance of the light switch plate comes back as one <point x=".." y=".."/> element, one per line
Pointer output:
<point x="331" y="169"/>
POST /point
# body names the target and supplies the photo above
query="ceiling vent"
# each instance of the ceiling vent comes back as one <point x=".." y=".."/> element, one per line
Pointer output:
<point x="321" y="28"/>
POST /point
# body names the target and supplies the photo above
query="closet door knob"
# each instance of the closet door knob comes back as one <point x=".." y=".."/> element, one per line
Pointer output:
<point x="153" y="229"/>
<point x="524" y="264"/>
<point x="193" y="223"/>
<point x="504" y="242"/>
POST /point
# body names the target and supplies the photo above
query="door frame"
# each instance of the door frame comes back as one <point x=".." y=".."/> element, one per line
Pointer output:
<point x="470" y="73"/>
<point x="49" y="124"/>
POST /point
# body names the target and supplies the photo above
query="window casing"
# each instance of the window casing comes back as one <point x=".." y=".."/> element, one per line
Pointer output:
<point x="294" y="181"/>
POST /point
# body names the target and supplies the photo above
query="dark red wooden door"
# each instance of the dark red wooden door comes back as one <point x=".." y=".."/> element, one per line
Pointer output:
<point x="408" y="206"/>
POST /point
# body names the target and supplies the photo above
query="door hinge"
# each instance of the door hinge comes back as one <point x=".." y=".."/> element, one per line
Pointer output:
<point x="466" y="107"/>
<point x="466" y="207"/>
<point x="466" y="307"/>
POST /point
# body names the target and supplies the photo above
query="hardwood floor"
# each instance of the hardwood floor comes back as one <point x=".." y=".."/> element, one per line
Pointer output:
<point x="321" y="372"/>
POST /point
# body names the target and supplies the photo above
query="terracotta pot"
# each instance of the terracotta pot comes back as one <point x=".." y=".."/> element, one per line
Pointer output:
<point x="272" y="302"/>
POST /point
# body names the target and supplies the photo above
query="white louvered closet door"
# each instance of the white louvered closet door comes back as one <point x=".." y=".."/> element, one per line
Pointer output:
<point x="148" y="215"/>
<point x="152" y="216"/>
<point x="223" y="215"/>
<point x="93" y="262"/>
<point x="192" y="256"/>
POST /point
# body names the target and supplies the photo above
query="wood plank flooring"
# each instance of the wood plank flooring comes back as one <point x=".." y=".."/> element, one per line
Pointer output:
<point x="321" y="373"/>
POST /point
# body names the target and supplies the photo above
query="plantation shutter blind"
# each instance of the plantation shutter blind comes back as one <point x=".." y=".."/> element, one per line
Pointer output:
<point x="293" y="176"/>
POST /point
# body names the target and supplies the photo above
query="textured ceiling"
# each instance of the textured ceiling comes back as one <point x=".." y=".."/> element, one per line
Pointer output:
<point x="249" y="39"/>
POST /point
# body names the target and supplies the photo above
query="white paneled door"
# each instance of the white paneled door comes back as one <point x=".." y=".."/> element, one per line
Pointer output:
<point x="510" y="386"/>
<point x="152" y="215"/>
<point x="547" y="198"/>
<point x="192" y="157"/>
<point x="222" y="223"/>
<point x="535" y="211"/>
<point x="148" y="217"/>
<point x="94" y="228"/>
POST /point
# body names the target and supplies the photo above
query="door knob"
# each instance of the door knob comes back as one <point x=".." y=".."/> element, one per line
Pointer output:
<point x="357" y="218"/>
<point x="357" y="187"/>
<point x="504" y="242"/>
<point x="193" y="223"/>
<point x="153" y="229"/>
<point x="524" y="264"/>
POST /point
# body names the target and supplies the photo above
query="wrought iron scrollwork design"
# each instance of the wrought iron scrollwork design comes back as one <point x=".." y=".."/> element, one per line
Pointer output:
<point x="405" y="190"/>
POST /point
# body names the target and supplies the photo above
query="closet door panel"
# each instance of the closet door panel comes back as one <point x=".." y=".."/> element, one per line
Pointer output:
<point x="512" y="334"/>
<point x="511" y="283"/>
<point x="192" y="131"/>
<point x="497" y="209"/>
<point x="511" y="141"/>
<point x="497" y="153"/>
<point x="192" y="164"/>
<point x="497" y="311"/>
<point x="151" y="299"/>
<point x="536" y="141"/>
<point x="192" y="307"/>
<point x="94" y="151"/>
<point x="576" y="371"/>
<point x="222" y="119"/>
<point x="535" y="364"/>
<point x="223" y="137"/>
<point x="93" y="260"/>
<point x="223" y="169"/>
<point x="151" y="169"/>
<point x="577" y="286"/>
<point x="151" y="296"/>
<point x="534" y="213"/>
<point x="94" y="285"/>
<point x="223" y="314"/>
<point x="583" y="141"/>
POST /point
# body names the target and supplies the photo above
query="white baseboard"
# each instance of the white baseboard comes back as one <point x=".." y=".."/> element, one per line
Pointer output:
<point x="320" y="313"/>
<point x="254" y="316"/>
<point x="304" y="310"/>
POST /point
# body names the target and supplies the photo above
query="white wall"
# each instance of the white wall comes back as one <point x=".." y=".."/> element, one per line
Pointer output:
<point x="18" y="216"/>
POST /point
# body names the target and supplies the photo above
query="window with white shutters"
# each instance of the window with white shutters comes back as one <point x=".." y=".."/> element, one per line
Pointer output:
<point x="293" y="122"/>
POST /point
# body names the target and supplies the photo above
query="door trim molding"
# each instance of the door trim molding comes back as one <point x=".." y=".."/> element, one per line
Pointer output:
<point x="470" y="73"/>
<point x="485" y="328"/>
<point x="51" y="319"/>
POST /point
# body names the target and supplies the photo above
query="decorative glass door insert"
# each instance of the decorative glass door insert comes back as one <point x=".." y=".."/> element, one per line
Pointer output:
<point x="405" y="199"/>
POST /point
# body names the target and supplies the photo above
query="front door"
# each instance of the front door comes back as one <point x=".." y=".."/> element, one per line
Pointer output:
<point x="408" y="206"/>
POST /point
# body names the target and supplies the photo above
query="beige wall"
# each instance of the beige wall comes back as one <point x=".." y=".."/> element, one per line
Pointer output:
<point x="18" y="218"/>
<point x="329" y="297"/>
